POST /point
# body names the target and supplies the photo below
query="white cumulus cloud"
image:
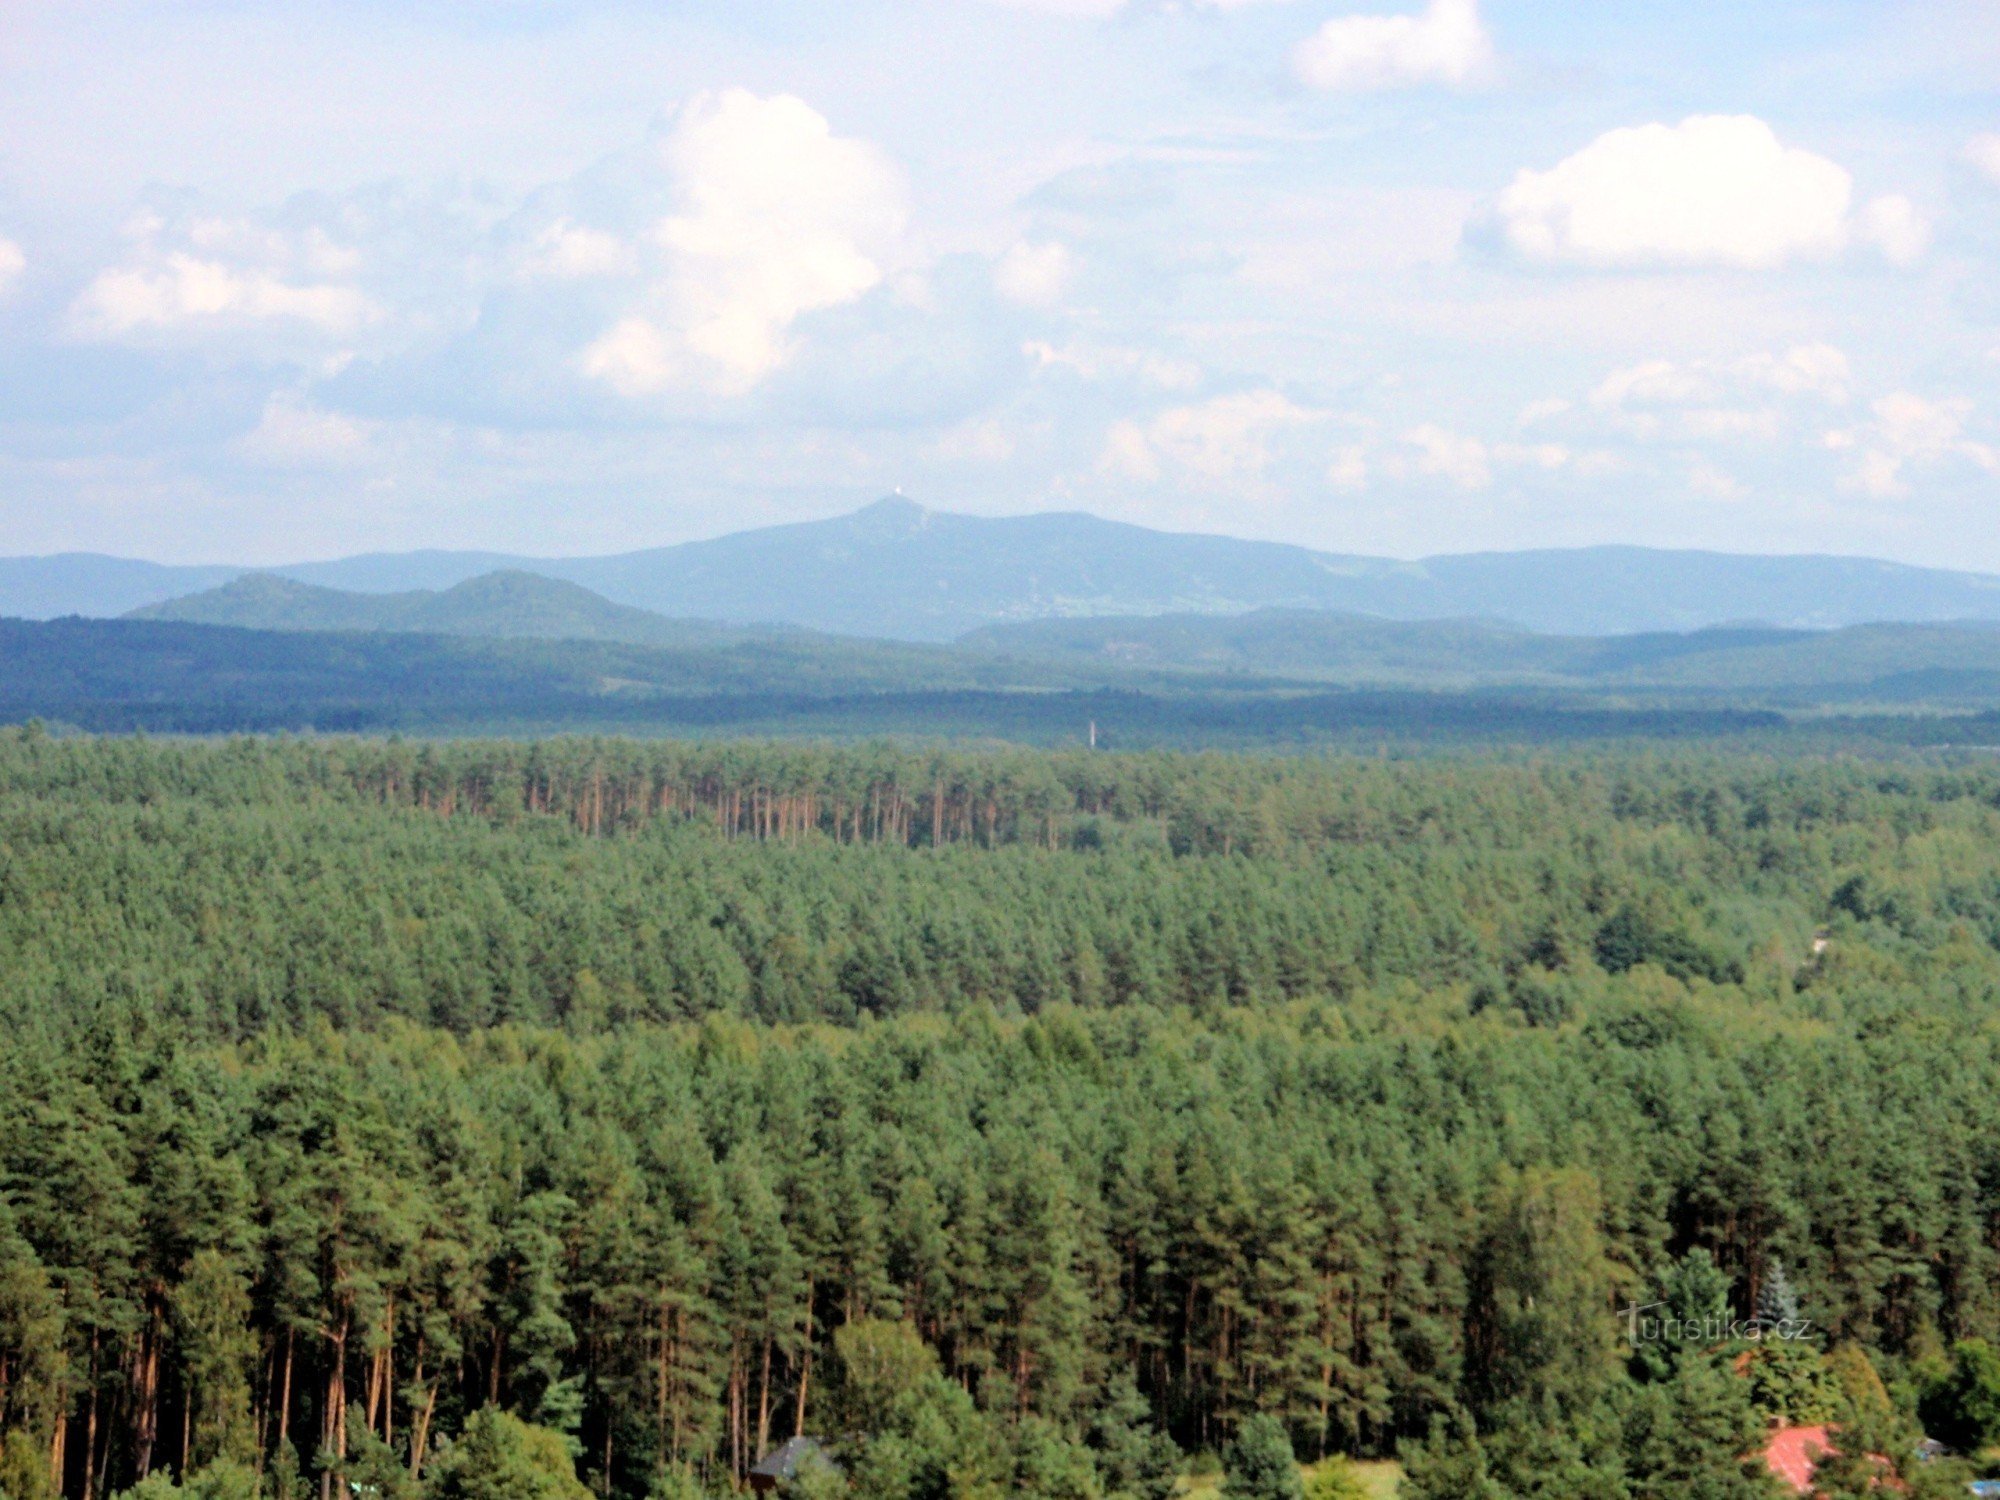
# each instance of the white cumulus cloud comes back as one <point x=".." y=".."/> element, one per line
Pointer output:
<point x="1805" y="370"/>
<point x="1892" y="225"/>
<point x="1349" y="469"/>
<point x="1100" y="362"/>
<point x="1444" y="454"/>
<point x="220" y="274"/>
<point x="1751" y="398"/>
<point x="1224" y="438"/>
<point x="1653" y="382"/>
<point x="1817" y="370"/>
<point x="1445" y="44"/>
<point x="1910" y="431"/>
<point x="775" y="217"/>
<point x="1714" y="190"/>
<point x="1035" y="275"/>
<point x="980" y="441"/>
<point x="1982" y="154"/>
<point x="184" y="290"/>
<point x="294" y="434"/>
<point x="564" y="251"/>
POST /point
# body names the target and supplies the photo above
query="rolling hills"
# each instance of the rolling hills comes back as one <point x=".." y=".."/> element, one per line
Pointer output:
<point x="172" y="677"/>
<point x="1955" y="664"/>
<point x="501" y="605"/>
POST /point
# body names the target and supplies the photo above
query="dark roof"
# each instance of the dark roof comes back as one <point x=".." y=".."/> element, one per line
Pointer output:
<point x="783" y="1461"/>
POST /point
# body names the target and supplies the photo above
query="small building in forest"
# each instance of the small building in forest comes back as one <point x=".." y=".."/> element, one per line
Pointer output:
<point x="776" y="1468"/>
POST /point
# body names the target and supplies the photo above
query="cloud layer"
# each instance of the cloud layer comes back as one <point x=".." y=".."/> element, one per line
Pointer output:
<point x="1377" y="274"/>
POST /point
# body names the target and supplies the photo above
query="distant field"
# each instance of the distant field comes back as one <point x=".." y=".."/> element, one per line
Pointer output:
<point x="1383" y="1478"/>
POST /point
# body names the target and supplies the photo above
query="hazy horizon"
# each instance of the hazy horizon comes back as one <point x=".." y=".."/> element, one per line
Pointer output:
<point x="504" y="556"/>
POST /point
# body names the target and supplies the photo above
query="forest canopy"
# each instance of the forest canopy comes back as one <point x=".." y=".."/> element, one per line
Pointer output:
<point x="591" y="1116"/>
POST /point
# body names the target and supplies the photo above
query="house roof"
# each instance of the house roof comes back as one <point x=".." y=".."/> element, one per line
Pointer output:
<point x="1793" y="1452"/>
<point x="783" y="1461"/>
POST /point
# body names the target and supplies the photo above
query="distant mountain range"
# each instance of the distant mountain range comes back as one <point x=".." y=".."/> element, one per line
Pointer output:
<point x="898" y="570"/>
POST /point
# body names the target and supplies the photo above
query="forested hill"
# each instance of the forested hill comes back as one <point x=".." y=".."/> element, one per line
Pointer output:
<point x="190" y="678"/>
<point x="166" y="676"/>
<point x="583" y="1117"/>
<point x="1956" y="663"/>
<point x="162" y="676"/>
<point x="502" y="605"/>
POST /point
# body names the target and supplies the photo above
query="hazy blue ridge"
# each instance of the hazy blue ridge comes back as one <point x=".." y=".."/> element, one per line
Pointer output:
<point x="899" y="570"/>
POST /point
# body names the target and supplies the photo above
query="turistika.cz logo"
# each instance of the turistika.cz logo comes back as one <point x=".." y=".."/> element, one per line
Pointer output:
<point x="1666" y="1328"/>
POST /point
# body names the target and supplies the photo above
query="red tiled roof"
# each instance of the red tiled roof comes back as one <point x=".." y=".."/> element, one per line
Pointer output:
<point x="1793" y="1452"/>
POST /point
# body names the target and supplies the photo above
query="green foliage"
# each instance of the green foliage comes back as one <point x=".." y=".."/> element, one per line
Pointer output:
<point x="373" y="1469"/>
<point x="1697" y="1296"/>
<point x="1790" y="1382"/>
<point x="940" y="1445"/>
<point x="1871" y="1453"/>
<point x="285" y="1478"/>
<point x="1963" y="1408"/>
<point x="1135" y="1460"/>
<point x="24" y="1468"/>
<point x="1856" y="1382"/>
<point x="1449" y="1464"/>
<point x="1335" y="1479"/>
<point x="884" y="1366"/>
<point x="500" y="1457"/>
<point x="678" y="1483"/>
<point x="1259" y="1464"/>
<point x="1631" y="936"/>
<point x="213" y="1310"/>
<point x="222" y="1480"/>
<point x="1697" y="1435"/>
<point x="1049" y="1464"/>
<point x="1541" y="1284"/>
<point x="816" y="1478"/>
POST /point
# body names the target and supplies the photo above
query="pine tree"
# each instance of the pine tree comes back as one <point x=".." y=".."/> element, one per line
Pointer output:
<point x="1259" y="1464"/>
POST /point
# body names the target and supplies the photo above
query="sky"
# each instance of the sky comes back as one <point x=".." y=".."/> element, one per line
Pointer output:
<point x="284" y="280"/>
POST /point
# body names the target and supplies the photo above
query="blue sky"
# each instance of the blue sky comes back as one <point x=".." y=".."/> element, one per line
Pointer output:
<point x="282" y="281"/>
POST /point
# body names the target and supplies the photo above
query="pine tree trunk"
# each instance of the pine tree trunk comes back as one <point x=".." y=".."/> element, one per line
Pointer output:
<point x="285" y="1396"/>
<point x="420" y="1424"/>
<point x="805" y="1365"/>
<point x="146" y="1397"/>
<point x="764" y="1403"/>
<point x="389" y="1375"/>
<point x="333" y="1428"/>
<point x="90" y="1428"/>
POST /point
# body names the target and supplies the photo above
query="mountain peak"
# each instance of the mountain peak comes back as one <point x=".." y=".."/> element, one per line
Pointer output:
<point x="892" y="515"/>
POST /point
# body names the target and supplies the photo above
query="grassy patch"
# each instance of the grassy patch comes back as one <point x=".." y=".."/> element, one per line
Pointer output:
<point x="1382" y="1477"/>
